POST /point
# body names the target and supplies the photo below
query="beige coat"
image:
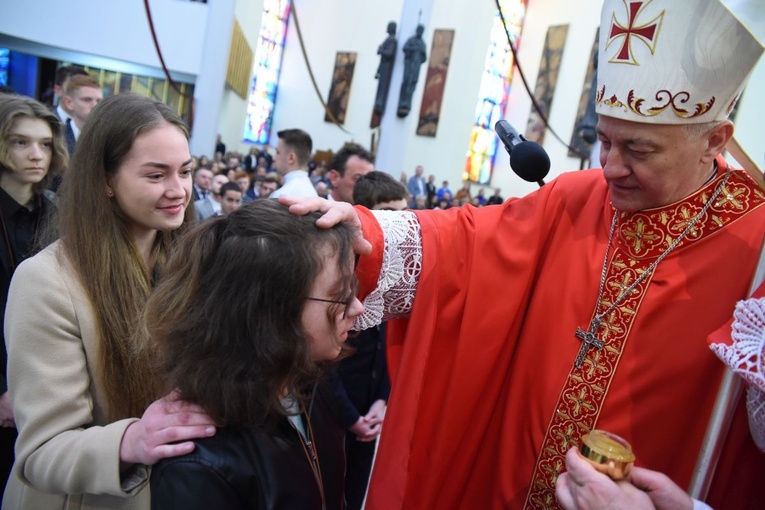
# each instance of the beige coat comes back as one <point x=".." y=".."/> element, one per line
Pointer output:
<point x="67" y="453"/>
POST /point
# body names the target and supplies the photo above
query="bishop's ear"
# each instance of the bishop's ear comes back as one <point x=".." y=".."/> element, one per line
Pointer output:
<point x="716" y="139"/>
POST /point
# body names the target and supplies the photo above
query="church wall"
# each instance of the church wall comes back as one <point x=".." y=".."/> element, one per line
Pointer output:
<point x="113" y="28"/>
<point x="750" y="114"/>
<point x="341" y="25"/>
<point x="583" y="18"/>
<point x="118" y="30"/>
<point x="354" y="27"/>
<point x="444" y="155"/>
<point x="233" y="107"/>
<point x="751" y="108"/>
<point x="330" y="26"/>
<point x="362" y="30"/>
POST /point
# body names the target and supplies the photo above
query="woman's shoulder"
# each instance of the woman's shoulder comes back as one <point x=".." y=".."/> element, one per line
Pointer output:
<point x="48" y="262"/>
<point x="48" y="266"/>
<point x="48" y="273"/>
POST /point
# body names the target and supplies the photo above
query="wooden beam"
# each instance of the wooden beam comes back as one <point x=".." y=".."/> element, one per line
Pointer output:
<point x="746" y="161"/>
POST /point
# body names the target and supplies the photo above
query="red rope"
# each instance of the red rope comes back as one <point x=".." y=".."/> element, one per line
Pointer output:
<point x="534" y="101"/>
<point x="159" y="51"/>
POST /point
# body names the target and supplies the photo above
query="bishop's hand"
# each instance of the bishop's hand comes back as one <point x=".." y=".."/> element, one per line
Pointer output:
<point x="581" y="487"/>
<point x="333" y="213"/>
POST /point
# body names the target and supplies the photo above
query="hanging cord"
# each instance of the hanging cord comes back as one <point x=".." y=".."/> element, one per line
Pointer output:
<point x="534" y="102"/>
<point x="159" y="51"/>
<point x="310" y="71"/>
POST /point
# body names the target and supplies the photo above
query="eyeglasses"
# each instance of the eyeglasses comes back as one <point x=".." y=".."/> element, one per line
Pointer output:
<point x="348" y="301"/>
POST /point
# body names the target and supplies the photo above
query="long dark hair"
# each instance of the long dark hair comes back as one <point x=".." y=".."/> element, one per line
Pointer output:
<point x="96" y="238"/>
<point x="225" y="317"/>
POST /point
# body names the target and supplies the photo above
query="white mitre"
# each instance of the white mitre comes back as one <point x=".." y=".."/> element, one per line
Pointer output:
<point x="672" y="61"/>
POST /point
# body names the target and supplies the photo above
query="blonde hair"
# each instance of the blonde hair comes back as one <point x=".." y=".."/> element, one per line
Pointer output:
<point x="79" y="81"/>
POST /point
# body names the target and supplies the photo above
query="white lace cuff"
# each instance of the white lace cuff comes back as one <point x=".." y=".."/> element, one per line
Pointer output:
<point x="400" y="271"/>
<point x="745" y="354"/>
<point x="745" y="357"/>
<point x="755" y="406"/>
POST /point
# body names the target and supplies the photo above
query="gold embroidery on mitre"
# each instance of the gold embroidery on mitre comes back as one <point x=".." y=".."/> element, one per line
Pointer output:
<point x="642" y="237"/>
<point x="648" y="33"/>
<point x="665" y="99"/>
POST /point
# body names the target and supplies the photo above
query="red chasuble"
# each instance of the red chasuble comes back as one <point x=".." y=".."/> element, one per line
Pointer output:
<point x="486" y="400"/>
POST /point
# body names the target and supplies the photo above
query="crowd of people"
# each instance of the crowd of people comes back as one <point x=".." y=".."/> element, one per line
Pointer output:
<point x="270" y="330"/>
<point x="293" y="165"/>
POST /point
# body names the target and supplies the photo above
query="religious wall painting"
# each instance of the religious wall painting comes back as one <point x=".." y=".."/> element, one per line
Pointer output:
<point x="547" y="79"/>
<point x="584" y="118"/>
<point x="340" y="90"/>
<point x="435" y="82"/>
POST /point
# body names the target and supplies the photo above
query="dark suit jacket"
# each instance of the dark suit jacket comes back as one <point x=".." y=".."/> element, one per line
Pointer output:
<point x="362" y="378"/>
<point x="69" y="136"/>
<point x="6" y="268"/>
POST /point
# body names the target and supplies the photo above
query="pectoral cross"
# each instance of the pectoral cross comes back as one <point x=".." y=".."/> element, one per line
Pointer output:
<point x="589" y="340"/>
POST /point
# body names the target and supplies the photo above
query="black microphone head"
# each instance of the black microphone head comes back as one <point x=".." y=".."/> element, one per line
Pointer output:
<point x="530" y="161"/>
<point x="508" y="135"/>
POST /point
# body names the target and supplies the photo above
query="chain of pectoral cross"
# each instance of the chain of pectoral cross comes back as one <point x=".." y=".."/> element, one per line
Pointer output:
<point x="590" y="338"/>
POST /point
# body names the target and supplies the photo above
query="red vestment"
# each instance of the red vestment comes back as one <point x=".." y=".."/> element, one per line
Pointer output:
<point x="485" y="357"/>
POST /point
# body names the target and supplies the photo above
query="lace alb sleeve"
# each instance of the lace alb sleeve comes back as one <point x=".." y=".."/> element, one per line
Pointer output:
<point x="400" y="272"/>
<point x="745" y="357"/>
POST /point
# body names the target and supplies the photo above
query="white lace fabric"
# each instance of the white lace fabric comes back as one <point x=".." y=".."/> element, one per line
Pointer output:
<point x="745" y="356"/>
<point x="400" y="272"/>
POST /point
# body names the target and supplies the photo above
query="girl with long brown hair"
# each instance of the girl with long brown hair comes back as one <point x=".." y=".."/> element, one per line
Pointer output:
<point x="251" y="308"/>
<point x="77" y="380"/>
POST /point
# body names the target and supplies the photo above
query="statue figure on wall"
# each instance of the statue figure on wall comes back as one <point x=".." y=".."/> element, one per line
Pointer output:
<point x="387" y="52"/>
<point x="586" y="129"/>
<point x="414" y="56"/>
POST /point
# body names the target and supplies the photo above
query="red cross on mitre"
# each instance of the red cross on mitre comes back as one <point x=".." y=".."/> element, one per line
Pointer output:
<point x="647" y="32"/>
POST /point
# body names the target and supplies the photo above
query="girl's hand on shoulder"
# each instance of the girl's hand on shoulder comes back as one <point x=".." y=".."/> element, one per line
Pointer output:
<point x="164" y="431"/>
<point x="6" y="411"/>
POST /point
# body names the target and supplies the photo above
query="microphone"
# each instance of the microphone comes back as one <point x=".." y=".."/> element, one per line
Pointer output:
<point x="527" y="159"/>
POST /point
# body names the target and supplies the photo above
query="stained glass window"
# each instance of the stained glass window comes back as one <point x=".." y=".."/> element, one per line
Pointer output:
<point x="5" y="56"/>
<point x="494" y="91"/>
<point x="265" y="77"/>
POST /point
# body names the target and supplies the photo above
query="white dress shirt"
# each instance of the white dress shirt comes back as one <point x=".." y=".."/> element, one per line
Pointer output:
<point x="296" y="184"/>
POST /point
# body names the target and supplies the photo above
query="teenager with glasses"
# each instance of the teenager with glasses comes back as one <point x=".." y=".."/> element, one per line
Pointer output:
<point x="247" y="319"/>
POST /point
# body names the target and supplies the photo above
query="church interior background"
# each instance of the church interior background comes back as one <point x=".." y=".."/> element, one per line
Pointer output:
<point x="246" y="69"/>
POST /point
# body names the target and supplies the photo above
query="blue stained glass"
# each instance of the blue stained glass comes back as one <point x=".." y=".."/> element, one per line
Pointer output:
<point x="5" y="56"/>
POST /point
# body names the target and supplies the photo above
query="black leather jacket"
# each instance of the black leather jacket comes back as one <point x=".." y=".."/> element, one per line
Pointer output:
<point x="256" y="468"/>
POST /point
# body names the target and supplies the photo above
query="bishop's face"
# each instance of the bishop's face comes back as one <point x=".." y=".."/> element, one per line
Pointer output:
<point x="650" y="165"/>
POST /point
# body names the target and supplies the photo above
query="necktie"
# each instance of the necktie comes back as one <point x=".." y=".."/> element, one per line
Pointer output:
<point x="69" y="136"/>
